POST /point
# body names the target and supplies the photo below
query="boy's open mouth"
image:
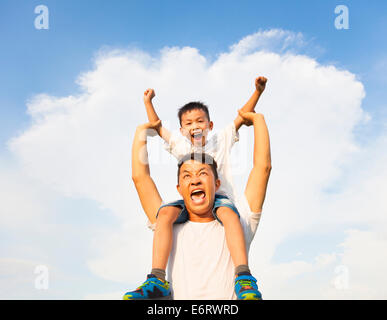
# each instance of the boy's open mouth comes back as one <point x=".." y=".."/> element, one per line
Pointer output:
<point x="197" y="136"/>
<point x="198" y="196"/>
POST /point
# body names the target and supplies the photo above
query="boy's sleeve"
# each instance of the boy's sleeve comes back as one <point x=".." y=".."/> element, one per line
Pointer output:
<point x="229" y="135"/>
<point x="177" y="145"/>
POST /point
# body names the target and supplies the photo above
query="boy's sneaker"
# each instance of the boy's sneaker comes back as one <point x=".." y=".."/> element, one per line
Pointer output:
<point x="246" y="287"/>
<point x="152" y="288"/>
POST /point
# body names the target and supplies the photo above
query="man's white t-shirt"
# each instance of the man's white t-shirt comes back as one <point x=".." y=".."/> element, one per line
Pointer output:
<point x="200" y="265"/>
<point x="218" y="146"/>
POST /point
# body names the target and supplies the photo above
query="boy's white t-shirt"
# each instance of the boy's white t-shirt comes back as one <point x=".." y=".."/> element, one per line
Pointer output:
<point x="200" y="265"/>
<point x="218" y="146"/>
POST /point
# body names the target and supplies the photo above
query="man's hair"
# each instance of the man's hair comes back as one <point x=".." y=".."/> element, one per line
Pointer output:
<point x="200" y="157"/>
<point x="193" y="106"/>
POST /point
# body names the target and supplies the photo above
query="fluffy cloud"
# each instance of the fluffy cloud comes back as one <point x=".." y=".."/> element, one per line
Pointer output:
<point x="22" y="201"/>
<point x="80" y="147"/>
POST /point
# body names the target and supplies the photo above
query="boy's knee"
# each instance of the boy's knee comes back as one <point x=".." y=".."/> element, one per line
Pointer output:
<point x="168" y="214"/>
<point x="226" y="213"/>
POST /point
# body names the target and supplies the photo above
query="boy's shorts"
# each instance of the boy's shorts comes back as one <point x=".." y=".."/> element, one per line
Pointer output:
<point x="220" y="201"/>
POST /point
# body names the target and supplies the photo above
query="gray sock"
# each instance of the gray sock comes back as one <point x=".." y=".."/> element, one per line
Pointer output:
<point x="159" y="273"/>
<point x="242" y="268"/>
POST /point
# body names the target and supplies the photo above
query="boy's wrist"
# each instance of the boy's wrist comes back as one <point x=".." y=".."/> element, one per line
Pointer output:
<point x="258" y="91"/>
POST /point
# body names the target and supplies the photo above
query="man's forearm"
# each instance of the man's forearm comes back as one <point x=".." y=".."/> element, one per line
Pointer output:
<point x="140" y="165"/>
<point x="262" y="155"/>
<point x="146" y="189"/>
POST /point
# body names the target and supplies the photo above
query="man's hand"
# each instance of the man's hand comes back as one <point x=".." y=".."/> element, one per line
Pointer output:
<point x="150" y="129"/>
<point x="260" y="84"/>
<point x="149" y="94"/>
<point x="248" y="117"/>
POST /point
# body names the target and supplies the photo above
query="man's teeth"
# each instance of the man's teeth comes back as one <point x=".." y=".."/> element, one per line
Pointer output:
<point x="198" y="194"/>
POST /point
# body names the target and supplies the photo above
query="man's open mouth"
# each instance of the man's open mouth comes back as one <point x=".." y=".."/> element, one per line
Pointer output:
<point x="198" y="196"/>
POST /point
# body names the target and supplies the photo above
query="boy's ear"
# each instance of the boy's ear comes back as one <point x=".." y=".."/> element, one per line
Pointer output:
<point x="211" y="125"/>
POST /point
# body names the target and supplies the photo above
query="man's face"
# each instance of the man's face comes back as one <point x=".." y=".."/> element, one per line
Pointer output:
<point x="197" y="185"/>
<point x="195" y="126"/>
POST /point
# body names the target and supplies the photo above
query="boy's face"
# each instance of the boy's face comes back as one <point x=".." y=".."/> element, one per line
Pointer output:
<point x="195" y="126"/>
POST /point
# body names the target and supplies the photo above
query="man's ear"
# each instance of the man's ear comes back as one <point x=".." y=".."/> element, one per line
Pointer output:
<point x="178" y="189"/>
<point x="217" y="184"/>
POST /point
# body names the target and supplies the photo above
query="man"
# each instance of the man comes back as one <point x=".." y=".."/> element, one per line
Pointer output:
<point x="200" y="265"/>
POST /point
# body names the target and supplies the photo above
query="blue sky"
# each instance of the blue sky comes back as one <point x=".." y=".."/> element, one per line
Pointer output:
<point x="79" y="223"/>
<point x="31" y="58"/>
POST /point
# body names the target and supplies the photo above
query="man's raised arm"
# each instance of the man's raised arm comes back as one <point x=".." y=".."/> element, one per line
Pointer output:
<point x="259" y="176"/>
<point x="145" y="186"/>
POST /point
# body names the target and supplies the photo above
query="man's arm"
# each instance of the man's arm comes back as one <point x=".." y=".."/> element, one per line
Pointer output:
<point x="146" y="189"/>
<point x="260" y="84"/>
<point x="149" y="94"/>
<point x="259" y="176"/>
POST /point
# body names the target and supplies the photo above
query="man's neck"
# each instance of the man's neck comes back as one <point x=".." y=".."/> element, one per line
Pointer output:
<point x="207" y="217"/>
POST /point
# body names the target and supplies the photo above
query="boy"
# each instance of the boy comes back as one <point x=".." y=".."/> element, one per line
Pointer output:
<point x="195" y="125"/>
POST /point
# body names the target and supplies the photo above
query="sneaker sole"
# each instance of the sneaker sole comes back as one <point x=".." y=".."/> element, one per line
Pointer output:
<point x="162" y="298"/>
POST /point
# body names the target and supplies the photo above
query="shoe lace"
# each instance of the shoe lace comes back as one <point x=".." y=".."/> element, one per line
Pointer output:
<point x="148" y="282"/>
<point x="244" y="283"/>
<point x="143" y="285"/>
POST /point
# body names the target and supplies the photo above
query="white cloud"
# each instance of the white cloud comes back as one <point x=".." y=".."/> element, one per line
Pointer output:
<point x="80" y="147"/>
<point x="21" y="202"/>
<point x="362" y="266"/>
<point x="269" y="40"/>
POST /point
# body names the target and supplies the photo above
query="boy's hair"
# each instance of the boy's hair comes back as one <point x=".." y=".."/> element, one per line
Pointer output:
<point x="192" y="106"/>
<point x="200" y="157"/>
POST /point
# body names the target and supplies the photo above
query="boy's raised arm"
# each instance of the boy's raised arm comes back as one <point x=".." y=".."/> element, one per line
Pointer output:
<point x="149" y="94"/>
<point x="146" y="188"/>
<point x="260" y="84"/>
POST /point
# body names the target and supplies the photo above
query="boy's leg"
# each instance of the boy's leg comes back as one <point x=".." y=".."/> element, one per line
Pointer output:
<point x="155" y="286"/>
<point x="162" y="239"/>
<point x="245" y="284"/>
<point x="234" y="236"/>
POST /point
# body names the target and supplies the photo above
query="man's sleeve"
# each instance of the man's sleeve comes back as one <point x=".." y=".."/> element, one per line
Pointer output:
<point x="249" y="220"/>
<point x="150" y="225"/>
